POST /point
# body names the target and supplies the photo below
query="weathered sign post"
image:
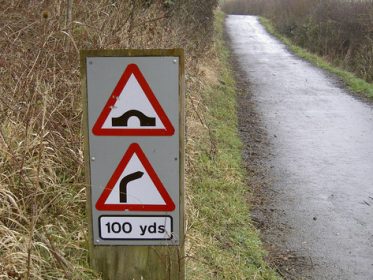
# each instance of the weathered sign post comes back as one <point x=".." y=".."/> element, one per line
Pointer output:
<point x="134" y="154"/>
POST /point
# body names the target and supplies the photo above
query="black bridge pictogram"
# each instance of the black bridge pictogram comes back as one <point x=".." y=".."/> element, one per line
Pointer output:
<point x="124" y="182"/>
<point x="123" y="119"/>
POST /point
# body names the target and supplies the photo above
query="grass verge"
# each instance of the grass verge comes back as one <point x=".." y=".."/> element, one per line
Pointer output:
<point x="222" y="239"/>
<point x="353" y="83"/>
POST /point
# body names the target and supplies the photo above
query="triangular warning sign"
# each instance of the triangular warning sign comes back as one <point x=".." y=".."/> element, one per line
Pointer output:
<point x="133" y="109"/>
<point x="135" y="186"/>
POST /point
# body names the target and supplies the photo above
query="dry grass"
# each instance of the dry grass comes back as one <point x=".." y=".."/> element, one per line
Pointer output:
<point x="43" y="229"/>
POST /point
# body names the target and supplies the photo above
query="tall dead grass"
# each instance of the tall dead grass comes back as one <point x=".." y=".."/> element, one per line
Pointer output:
<point x="340" y="31"/>
<point x="43" y="229"/>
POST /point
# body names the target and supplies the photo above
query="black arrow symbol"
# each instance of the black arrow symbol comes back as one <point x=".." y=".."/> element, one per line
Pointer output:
<point x="124" y="182"/>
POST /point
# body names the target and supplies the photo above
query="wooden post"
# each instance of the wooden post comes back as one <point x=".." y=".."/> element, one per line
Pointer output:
<point x="136" y="262"/>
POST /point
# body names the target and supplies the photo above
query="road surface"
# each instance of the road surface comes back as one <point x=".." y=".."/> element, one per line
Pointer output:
<point x="321" y="142"/>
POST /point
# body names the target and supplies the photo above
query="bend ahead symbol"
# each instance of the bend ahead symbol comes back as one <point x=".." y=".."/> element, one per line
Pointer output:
<point x="126" y="191"/>
<point x="124" y="182"/>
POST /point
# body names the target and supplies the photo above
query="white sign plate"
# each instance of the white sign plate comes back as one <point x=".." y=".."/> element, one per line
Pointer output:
<point x="134" y="148"/>
<point x="136" y="227"/>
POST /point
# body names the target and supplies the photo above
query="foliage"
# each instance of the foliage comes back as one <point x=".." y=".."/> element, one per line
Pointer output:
<point x="354" y="83"/>
<point x="43" y="228"/>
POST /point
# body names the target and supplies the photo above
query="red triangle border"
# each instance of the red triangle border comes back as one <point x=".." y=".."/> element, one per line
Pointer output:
<point x="134" y="149"/>
<point x="133" y="69"/>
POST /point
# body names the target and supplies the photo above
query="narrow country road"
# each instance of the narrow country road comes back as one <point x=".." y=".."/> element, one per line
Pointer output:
<point x="321" y="141"/>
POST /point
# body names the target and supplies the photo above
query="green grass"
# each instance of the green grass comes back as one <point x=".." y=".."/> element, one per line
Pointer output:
<point x="225" y="243"/>
<point x="354" y="83"/>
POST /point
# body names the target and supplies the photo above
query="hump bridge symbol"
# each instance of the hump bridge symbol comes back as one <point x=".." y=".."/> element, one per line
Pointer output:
<point x="152" y="119"/>
<point x="123" y="119"/>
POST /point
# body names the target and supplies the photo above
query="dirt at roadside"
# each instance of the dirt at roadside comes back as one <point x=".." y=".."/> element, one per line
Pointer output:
<point x="257" y="158"/>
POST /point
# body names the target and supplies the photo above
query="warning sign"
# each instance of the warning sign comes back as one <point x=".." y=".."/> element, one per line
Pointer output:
<point x="135" y="186"/>
<point x="134" y="151"/>
<point x="132" y="109"/>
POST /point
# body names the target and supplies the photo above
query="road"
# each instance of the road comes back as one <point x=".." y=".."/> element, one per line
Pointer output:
<point x="321" y="157"/>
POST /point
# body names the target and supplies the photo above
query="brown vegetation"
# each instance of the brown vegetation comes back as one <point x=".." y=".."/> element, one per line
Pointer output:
<point x="43" y="230"/>
<point x="340" y="31"/>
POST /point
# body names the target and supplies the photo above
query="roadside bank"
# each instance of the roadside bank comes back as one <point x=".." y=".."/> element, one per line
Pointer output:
<point x="222" y="241"/>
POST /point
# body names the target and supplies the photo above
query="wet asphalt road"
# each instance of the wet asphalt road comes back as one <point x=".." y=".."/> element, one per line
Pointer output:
<point x="321" y="141"/>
